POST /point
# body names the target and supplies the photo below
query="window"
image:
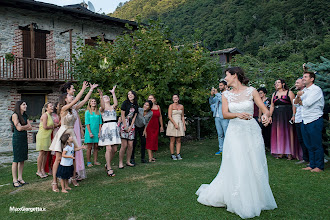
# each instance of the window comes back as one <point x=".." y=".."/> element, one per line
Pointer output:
<point x="35" y="103"/>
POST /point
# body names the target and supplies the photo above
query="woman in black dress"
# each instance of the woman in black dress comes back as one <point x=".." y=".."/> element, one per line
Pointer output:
<point x="20" y="125"/>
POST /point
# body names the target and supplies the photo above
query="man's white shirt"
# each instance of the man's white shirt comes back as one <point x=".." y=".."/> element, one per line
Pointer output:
<point x="312" y="104"/>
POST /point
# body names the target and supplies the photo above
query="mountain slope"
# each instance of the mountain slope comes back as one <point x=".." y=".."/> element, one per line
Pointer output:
<point x="246" y="24"/>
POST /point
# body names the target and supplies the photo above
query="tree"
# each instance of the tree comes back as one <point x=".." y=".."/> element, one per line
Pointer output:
<point x="145" y="61"/>
<point x="262" y="74"/>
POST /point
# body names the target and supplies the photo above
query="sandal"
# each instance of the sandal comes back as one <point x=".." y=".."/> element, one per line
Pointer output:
<point x="55" y="190"/>
<point x="130" y="165"/>
<point x="111" y="174"/>
<point x="89" y="164"/>
<point x="152" y="160"/>
<point x="97" y="163"/>
<point x="22" y="182"/>
<point x="76" y="183"/>
<point x="40" y="175"/>
<point x="17" y="182"/>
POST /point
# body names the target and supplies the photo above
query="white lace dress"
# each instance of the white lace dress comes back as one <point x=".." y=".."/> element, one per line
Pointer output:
<point x="242" y="182"/>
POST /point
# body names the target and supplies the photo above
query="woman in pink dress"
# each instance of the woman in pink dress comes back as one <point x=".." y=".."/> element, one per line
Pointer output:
<point x="153" y="129"/>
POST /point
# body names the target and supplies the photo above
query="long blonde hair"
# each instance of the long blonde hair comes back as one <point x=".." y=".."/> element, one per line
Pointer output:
<point x="44" y="109"/>
<point x="89" y="108"/>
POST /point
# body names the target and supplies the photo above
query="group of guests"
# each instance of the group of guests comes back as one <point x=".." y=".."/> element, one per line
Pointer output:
<point x="59" y="139"/>
<point x="296" y="122"/>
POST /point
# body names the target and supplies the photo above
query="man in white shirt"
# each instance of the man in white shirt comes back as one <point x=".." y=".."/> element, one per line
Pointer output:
<point x="298" y="122"/>
<point x="312" y="101"/>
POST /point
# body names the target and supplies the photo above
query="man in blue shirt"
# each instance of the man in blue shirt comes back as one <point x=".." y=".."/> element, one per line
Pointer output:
<point x="221" y="124"/>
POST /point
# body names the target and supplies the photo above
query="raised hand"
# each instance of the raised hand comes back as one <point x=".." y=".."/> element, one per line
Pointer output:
<point x="113" y="89"/>
<point x="93" y="86"/>
<point x="85" y="85"/>
<point x="100" y="92"/>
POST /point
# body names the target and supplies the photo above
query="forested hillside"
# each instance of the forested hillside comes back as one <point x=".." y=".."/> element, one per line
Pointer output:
<point x="271" y="30"/>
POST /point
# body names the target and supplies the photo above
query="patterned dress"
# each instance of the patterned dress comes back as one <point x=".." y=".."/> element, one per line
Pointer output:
<point x="110" y="130"/>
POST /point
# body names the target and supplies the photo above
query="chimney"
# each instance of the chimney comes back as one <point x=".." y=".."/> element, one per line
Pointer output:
<point x="83" y="4"/>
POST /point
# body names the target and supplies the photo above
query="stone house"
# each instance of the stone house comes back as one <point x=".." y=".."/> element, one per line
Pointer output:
<point x="42" y="38"/>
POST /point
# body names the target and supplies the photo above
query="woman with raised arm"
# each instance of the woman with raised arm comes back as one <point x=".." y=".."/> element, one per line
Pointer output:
<point x="242" y="184"/>
<point x="79" y="166"/>
<point x="176" y="126"/>
<point x="20" y="126"/>
<point x="109" y="136"/>
<point x="68" y="119"/>
<point x="129" y="110"/>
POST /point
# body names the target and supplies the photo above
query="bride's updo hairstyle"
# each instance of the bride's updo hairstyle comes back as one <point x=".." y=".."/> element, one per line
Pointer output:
<point x="240" y="74"/>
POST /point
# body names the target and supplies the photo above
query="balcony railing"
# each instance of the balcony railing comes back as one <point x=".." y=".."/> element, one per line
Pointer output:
<point x="34" y="69"/>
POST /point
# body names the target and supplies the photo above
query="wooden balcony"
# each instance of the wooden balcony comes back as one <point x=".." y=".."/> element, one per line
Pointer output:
<point x="28" y="69"/>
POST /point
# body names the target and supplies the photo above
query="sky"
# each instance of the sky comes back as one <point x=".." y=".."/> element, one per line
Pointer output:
<point x="106" y="6"/>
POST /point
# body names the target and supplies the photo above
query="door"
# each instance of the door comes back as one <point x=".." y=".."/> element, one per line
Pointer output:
<point x="34" y="68"/>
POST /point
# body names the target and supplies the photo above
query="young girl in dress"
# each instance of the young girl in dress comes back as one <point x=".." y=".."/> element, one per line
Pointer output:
<point x="65" y="169"/>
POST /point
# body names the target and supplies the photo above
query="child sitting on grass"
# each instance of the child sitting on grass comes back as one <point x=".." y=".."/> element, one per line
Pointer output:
<point x="65" y="169"/>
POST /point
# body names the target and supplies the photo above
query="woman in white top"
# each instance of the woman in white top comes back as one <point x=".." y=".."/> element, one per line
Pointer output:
<point x="242" y="184"/>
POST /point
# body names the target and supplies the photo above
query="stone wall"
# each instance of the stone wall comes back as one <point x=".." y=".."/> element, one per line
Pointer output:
<point x="5" y="111"/>
<point x="9" y="96"/>
<point x="58" y="45"/>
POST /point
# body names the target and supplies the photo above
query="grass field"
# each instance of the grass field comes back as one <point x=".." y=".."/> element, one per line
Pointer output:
<point x="163" y="190"/>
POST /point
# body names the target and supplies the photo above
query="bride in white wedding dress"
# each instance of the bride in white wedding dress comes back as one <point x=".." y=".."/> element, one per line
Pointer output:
<point x="242" y="182"/>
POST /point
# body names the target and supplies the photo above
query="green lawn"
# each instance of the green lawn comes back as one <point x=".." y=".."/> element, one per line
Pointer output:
<point x="163" y="190"/>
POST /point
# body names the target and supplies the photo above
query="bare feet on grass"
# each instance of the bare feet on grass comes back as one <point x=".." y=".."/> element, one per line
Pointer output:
<point x="317" y="170"/>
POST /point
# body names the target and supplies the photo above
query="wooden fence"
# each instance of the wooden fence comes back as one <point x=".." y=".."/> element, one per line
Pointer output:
<point x="28" y="69"/>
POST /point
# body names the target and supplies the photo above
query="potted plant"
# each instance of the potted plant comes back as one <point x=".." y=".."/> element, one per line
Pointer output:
<point x="10" y="57"/>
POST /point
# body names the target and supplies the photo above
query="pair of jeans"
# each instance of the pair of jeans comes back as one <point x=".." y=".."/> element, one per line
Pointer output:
<point x="301" y="142"/>
<point x="139" y="133"/>
<point x="312" y="136"/>
<point x="221" y="126"/>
